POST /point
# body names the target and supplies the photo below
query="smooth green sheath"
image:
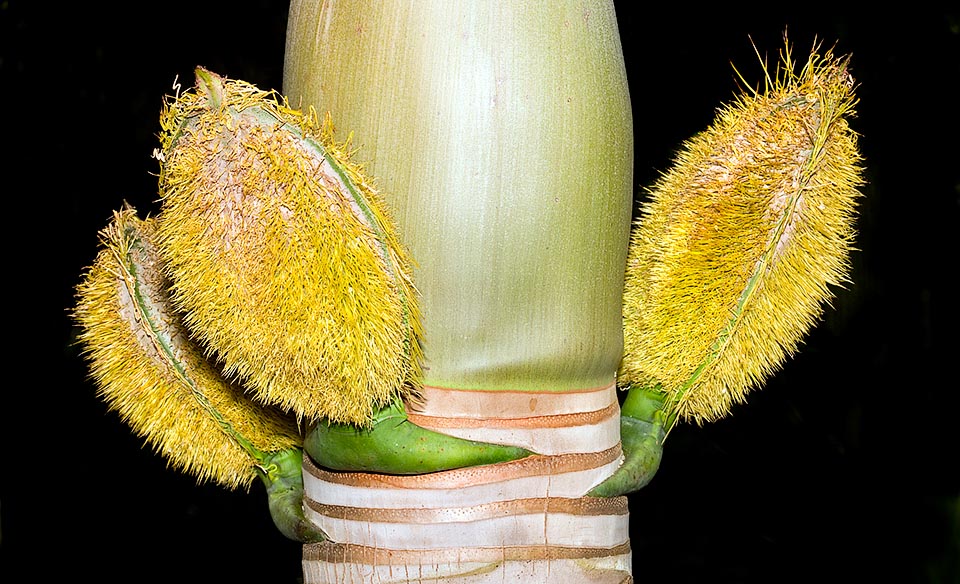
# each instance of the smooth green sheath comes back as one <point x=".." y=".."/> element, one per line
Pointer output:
<point x="501" y="136"/>
<point x="394" y="445"/>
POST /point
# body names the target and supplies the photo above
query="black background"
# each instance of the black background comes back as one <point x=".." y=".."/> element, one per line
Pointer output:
<point x="843" y="468"/>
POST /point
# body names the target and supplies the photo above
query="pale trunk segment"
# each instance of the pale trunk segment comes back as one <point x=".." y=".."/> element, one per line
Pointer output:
<point x="500" y="134"/>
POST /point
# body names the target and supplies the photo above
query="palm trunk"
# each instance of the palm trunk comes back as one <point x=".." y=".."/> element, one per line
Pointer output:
<point x="501" y="135"/>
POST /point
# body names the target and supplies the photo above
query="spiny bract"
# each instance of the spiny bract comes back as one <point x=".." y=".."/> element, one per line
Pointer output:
<point x="282" y="256"/>
<point x="734" y="254"/>
<point x="149" y="372"/>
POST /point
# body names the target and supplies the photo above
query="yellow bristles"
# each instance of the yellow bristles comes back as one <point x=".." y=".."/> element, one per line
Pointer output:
<point x="282" y="257"/>
<point x="735" y="254"/>
<point x="149" y="372"/>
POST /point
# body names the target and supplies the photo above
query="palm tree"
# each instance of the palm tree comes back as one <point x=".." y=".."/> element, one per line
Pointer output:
<point x="423" y="367"/>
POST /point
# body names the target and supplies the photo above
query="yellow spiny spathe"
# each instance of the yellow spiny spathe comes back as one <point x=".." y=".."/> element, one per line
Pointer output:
<point x="282" y="256"/>
<point x="734" y="255"/>
<point x="149" y="372"/>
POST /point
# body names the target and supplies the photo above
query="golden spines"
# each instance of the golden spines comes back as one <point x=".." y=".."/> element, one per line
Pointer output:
<point x="282" y="256"/>
<point x="149" y="372"/>
<point x="733" y="256"/>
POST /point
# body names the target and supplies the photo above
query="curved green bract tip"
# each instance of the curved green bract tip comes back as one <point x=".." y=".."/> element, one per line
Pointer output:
<point x="646" y="417"/>
<point x="395" y="445"/>
<point x="642" y="448"/>
<point x="281" y="472"/>
<point x="211" y="85"/>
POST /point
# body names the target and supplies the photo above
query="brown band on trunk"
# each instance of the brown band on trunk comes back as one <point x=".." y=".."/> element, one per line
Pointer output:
<point x="472" y="403"/>
<point x="581" y="506"/>
<point x="536" y="465"/>
<point x="556" y="421"/>
<point x="357" y="554"/>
